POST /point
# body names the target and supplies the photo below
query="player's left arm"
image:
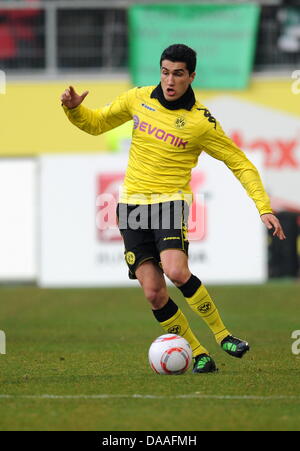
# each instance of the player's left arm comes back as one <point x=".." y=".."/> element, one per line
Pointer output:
<point x="215" y="142"/>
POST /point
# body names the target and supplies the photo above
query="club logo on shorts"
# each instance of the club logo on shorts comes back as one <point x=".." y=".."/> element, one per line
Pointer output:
<point x="130" y="258"/>
<point x="179" y="122"/>
<point x="205" y="307"/>
<point x="174" y="330"/>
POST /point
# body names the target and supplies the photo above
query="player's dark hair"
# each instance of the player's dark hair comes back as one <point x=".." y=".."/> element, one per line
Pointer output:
<point x="180" y="53"/>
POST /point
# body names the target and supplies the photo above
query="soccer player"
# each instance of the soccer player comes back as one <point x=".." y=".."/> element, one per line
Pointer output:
<point x="170" y="130"/>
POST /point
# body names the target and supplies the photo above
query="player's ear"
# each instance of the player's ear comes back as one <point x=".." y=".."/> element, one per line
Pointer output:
<point x="192" y="76"/>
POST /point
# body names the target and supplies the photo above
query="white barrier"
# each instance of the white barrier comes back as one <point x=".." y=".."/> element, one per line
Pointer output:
<point x="75" y="253"/>
<point x="273" y="134"/>
<point x="18" y="231"/>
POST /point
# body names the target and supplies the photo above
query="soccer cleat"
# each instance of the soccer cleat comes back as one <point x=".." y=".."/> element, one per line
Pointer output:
<point x="204" y="364"/>
<point x="234" y="346"/>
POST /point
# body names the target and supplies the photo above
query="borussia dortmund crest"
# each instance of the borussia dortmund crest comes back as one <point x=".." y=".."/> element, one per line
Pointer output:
<point x="179" y="122"/>
<point x="130" y="258"/>
<point x="205" y="307"/>
<point x="174" y="329"/>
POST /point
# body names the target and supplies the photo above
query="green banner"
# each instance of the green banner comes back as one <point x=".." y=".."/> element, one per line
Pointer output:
<point x="224" y="37"/>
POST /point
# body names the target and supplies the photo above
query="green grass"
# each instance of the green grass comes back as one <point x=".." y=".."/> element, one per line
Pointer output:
<point x="95" y="342"/>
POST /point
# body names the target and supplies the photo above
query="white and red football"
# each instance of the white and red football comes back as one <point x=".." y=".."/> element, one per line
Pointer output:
<point x="170" y="354"/>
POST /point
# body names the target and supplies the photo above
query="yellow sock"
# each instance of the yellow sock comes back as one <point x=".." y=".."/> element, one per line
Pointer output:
<point x="202" y="304"/>
<point x="178" y="324"/>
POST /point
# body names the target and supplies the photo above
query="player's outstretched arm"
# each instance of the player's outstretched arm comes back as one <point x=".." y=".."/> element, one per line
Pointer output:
<point x="272" y="222"/>
<point x="101" y="120"/>
<point x="71" y="99"/>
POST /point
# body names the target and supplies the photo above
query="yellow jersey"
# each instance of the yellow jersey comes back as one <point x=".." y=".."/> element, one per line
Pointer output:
<point x="166" y="145"/>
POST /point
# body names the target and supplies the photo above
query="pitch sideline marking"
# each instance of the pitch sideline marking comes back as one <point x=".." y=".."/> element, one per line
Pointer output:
<point x="138" y="396"/>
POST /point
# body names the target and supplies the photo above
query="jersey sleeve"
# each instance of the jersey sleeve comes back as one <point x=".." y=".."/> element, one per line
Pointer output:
<point x="215" y="142"/>
<point x="97" y="121"/>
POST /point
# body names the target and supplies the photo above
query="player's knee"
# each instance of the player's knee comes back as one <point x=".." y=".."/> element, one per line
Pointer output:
<point x="156" y="296"/>
<point x="177" y="275"/>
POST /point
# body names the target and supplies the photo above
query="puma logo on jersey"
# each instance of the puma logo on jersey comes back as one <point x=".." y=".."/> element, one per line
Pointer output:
<point x="158" y="133"/>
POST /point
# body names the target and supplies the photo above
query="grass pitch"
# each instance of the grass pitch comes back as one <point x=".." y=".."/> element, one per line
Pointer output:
<point x="77" y="360"/>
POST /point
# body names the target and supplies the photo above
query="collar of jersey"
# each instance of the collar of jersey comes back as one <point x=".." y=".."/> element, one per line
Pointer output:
<point x="187" y="101"/>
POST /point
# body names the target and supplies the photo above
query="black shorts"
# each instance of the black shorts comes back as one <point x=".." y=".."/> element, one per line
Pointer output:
<point x="147" y="230"/>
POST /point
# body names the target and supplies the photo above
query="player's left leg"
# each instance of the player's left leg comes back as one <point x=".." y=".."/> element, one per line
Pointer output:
<point x="175" y="266"/>
<point x="167" y="313"/>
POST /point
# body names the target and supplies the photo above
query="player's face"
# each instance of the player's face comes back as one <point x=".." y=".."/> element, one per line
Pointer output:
<point x="175" y="79"/>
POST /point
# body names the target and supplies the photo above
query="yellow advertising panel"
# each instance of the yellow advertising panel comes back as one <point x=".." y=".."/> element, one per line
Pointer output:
<point x="32" y="120"/>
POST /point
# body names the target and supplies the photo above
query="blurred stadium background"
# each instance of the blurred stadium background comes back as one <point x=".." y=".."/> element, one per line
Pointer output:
<point x="51" y="174"/>
<point x="47" y="45"/>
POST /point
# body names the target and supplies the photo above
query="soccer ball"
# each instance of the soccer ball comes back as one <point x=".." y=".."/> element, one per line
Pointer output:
<point x="170" y="354"/>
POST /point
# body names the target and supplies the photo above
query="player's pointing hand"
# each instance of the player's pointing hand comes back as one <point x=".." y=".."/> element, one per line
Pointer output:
<point x="71" y="99"/>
